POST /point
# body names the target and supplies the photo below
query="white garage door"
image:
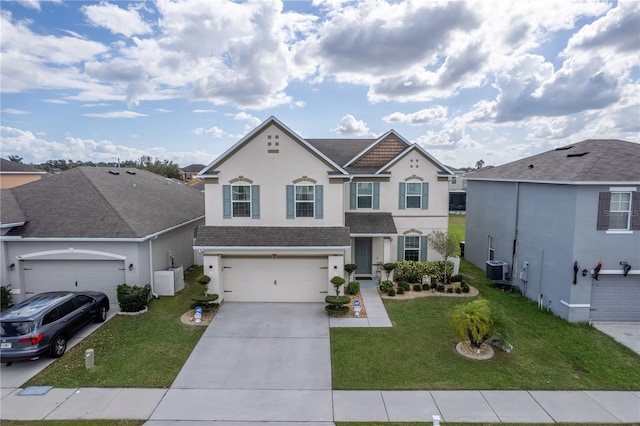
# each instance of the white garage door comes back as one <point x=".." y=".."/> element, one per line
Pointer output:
<point x="301" y="279"/>
<point x="73" y="275"/>
<point x="615" y="298"/>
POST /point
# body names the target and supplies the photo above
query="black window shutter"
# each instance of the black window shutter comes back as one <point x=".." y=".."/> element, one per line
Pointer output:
<point x="604" y="203"/>
<point x="635" y="212"/>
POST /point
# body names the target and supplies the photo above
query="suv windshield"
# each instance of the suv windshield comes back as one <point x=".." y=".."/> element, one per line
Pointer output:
<point x="15" y="328"/>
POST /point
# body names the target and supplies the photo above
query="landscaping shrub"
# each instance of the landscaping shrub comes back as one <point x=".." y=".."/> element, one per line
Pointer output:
<point x="440" y="288"/>
<point x="450" y="290"/>
<point x="458" y="290"/>
<point x="337" y="304"/>
<point x="5" y="294"/>
<point x="353" y="287"/>
<point x="388" y="268"/>
<point x="411" y="271"/>
<point x="337" y="282"/>
<point x="350" y="268"/>
<point x="133" y="298"/>
<point x="456" y="278"/>
<point x="464" y="287"/>
<point x="386" y="286"/>
<point x="392" y="292"/>
<point x="417" y="287"/>
<point x="473" y="321"/>
<point x="400" y="290"/>
<point x="426" y="287"/>
<point x="434" y="285"/>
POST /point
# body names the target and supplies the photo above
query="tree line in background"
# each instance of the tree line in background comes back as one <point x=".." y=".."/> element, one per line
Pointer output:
<point x="164" y="168"/>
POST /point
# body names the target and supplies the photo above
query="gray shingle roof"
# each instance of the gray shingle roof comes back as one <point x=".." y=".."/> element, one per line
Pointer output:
<point x="272" y="236"/>
<point x="593" y="160"/>
<point x="193" y="168"/>
<point x="341" y="151"/>
<point x="10" y="211"/>
<point x="370" y="223"/>
<point x="91" y="202"/>
<point x="12" y="166"/>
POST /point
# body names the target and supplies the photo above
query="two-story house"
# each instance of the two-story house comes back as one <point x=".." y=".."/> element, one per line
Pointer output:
<point x="567" y="224"/>
<point x="14" y="174"/>
<point x="285" y="213"/>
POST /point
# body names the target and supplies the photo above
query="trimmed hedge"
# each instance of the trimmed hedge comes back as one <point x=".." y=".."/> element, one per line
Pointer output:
<point x="411" y="271"/>
<point x="133" y="298"/>
<point x="353" y="288"/>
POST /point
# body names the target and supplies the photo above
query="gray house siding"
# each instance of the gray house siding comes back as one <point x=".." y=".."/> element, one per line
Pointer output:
<point x="556" y="227"/>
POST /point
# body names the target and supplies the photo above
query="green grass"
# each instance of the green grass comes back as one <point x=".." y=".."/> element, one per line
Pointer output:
<point x="145" y="351"/>
<point x="419" y="351"/>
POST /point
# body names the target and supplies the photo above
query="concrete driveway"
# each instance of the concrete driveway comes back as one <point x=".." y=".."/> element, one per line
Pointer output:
<point x="627" y="333"/>
<point x="256" y="362"/>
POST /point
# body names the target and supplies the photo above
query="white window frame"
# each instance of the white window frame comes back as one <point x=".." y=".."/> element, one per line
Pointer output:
<point x="411" y="249"/>
<point x="407" y="195"/>
<point x="358" y="195"/>
<point x="613" y="213"/>
<point x="234" y="201"/>
<point x="312" y="201"/>
<point x="491" y="253"/>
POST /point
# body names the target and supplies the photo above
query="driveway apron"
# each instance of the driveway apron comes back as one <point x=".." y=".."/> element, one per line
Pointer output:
<point x="256" y="362"/>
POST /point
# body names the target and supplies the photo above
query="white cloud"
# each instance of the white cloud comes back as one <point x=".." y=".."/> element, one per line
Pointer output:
<point x="55" y="101"/>
<point x="127" y="22"/>
<point x="204" y="111"/>
<point x="243" y="116"/>
<point x="350" y="126"/>
<point x="214" y="131"/>
<point x="436" y="114"/>
<point x="14" y="111"/>
<point x="115" y="114"/>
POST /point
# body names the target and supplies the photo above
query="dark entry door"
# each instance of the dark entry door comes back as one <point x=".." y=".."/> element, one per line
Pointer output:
<point x="363" y="255"/>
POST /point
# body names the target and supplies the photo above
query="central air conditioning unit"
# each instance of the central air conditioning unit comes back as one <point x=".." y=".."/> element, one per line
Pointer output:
<point x="497" y="270"/>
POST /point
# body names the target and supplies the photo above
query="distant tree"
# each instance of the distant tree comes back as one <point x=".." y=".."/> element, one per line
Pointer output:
<point x="15" y="159"/>
<point x="479" y="164"/>
<point x="445" y="245"/>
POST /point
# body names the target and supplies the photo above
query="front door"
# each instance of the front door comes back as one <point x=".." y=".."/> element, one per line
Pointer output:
<point x="362" y="251"/>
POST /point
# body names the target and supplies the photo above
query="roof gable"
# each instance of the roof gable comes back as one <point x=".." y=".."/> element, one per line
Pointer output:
<point x="210" y="170"/>
<point x="9" y="167"/>
<point x="379" y="153"/>
<point x="98" y="202"/>
<point x="415" y="147"/>
<point x="592" y="160"/>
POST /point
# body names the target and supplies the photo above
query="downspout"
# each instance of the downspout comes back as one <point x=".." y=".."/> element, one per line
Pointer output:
<point x="515" y="234"/>
<point x="153" y="293"/>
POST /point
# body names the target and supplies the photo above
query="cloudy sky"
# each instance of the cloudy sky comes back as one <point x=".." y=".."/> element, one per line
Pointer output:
<point x="184" y="80"/>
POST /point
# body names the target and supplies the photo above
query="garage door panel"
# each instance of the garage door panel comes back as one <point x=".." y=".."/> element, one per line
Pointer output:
<point x="73" y="275"/>
<point x="275" y="280"/>
<point x="615" y="298"/>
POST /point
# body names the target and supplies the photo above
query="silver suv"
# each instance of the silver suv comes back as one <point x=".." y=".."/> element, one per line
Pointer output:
<point x="42" y="325"/>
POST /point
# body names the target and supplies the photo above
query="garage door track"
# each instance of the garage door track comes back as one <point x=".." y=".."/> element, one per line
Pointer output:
<point x="256" y="362"/>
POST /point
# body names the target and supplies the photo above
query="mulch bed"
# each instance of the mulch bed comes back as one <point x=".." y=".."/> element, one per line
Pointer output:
<point x="351" y="313"/>
<point x="189" y="317"/>
<point x="429" y="293"/>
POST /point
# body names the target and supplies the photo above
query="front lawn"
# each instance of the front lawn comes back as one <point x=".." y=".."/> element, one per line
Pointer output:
<point x="418" y="352"/>
<point x="144" y="351"/>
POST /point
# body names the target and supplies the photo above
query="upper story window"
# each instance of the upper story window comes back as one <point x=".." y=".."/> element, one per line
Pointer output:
<point x="364" y="195"/>
<point x="454" y="180"/>
<point x="619" y="210"/>
<point x="241" y="200"/>
<point x="414" y="195"/>
<point x="305" y="200"/>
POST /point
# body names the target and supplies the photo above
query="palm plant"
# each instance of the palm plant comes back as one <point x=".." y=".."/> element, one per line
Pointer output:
<point x="474" y="321"/>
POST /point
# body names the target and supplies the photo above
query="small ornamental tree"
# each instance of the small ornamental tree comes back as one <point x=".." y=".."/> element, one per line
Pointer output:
<point x="388" y="268"/>
<point x="445" y="245"/>
<point x="337" y="282"/>
<point x="474" y="321"/>
<point x="206" y="300"/>
<point x="350" y="268"/>
<point x="337" y="304"/>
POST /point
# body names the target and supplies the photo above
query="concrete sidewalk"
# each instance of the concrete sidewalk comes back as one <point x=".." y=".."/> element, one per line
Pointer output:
<point x="201" y="407"/>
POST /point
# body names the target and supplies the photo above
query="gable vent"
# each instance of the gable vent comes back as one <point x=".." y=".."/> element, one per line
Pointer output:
<point x="564" y="148"/>
<point x="114" y="172"/>
<point x="577" y="154"/>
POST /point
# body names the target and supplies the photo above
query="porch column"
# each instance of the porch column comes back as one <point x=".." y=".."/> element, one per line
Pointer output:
<point x="336" y="268"/>
<point x="386" y="250"/>
<point x="212" y="268"/>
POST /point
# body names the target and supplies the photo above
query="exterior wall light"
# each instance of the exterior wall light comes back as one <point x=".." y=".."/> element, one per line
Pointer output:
<point x="131" y="266"/>
<point x="12" y="266"/>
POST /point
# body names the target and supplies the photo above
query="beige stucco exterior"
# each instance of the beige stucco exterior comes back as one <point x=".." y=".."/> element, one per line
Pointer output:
<point x="11" y="180"/>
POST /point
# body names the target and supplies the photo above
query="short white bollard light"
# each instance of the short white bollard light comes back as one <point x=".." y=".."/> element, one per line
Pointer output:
<point x="356" y="308"/>
<point x="89" y="360"/>
<point x="198" y="315"/>
<point x="436" y="420"/>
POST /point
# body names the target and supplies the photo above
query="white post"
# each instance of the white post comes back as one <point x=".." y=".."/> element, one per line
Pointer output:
<point x="89" y="361"/>
<point x="436" y="420"/>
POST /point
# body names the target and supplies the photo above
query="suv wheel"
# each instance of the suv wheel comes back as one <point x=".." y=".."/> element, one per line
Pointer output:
<point x="59" y="346"/>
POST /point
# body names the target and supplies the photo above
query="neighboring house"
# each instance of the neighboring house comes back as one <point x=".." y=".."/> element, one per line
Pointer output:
<point x="190" y="172"/>
<point x="93" y="228"/>
<point x="542" y="214"/>
<point x="14" y="174"/>
<point x="458" y="190"/>
<point x="284" y="213"/>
